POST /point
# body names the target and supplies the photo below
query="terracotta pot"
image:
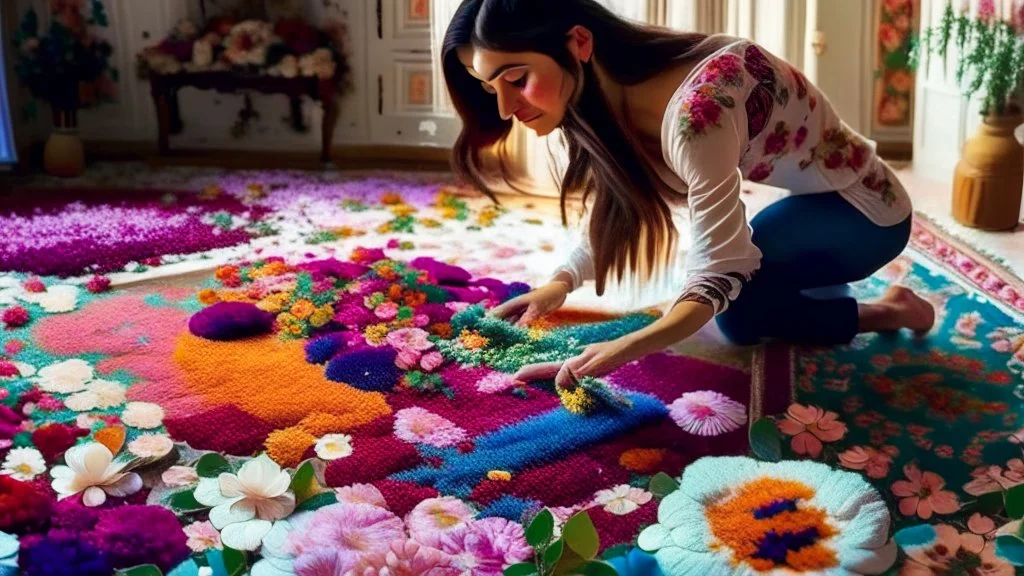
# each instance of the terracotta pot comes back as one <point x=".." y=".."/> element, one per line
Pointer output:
<point x="989" y="178"/>
<point x="64" y="154"/>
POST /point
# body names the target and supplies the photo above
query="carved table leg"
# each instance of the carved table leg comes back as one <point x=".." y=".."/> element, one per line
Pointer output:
<point x="327" y="129"/>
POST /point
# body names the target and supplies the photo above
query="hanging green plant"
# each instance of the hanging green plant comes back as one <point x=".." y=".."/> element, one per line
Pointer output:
<point x="990" y="56"/>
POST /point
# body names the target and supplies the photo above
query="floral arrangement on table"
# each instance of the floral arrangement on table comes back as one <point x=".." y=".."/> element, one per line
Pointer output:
<point x="991" y="53"/>
<point x="69" y="67"/>
<point x="288" y="48"/>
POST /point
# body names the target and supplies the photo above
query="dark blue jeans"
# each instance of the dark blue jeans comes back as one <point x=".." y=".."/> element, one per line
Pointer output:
<point x="809" y="241"/>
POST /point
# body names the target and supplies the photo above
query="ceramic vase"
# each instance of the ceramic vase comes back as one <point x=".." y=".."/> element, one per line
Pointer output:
<point x="989" y="178"/>
<point x="64" y="154"/>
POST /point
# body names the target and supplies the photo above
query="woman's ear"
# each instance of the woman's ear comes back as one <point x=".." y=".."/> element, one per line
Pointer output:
<point x="581" y="43"/>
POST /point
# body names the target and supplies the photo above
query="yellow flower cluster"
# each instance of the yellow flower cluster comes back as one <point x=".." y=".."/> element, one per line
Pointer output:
<point x="275" y="268"/>
<point x="275" y="302"/>
<point x="473" y="340"/>
<point x="449" y="212"/>
<point x="376" y="334"/>
<point x="208" y="296"/>
<point x="303" y="309"/>
<point x="289" y="323"/>
<point x="347" y="232"/>
<point x="402" y="210"/>
<point x="499" y="476"/>
<point x="576" y="400"/>
<point x="488" y="215"/>
<point x="429" y="223"/>
<point x="321" y="316"/>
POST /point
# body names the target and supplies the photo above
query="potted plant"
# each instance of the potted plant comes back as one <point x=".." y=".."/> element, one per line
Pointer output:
<point x="989" y="177"/>
<point x="68" y="67"/>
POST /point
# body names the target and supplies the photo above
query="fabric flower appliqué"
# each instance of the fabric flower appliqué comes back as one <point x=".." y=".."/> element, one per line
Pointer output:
<point x="810" y="426"/>
<point x="622" y="499"/>
<point x="334" y="446"/>
<point x="24" y="464"/>
<point x="91" y="470"/>
<point x="420" y="426"/>
<point x="922" y="494"/>
<point x="707" y="413"/>
<point x="65" y="377"/>
<point x="735" y="515"/>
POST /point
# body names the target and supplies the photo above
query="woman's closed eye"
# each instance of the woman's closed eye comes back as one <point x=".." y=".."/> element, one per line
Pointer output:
<point x="516" y="78"/>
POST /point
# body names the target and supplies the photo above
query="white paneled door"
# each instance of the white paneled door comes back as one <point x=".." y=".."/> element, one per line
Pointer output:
<point x="405" y="93"/>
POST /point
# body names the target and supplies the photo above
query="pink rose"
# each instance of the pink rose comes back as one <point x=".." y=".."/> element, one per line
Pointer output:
<point x="431" y="361"/>
<point x="407" y="359"/>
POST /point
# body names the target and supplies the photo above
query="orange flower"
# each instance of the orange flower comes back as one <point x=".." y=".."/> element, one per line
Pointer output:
<point x="395" y="292"/>
<point x="810" y="426"/>
<point x="441" y="329"/>
<point x="208" y="296"/>
<point x="473" y="340"/>
<point x="226" y="273"/>
<point x="211" y="193"/>
<point x="303" y="309"/>
<point x="449" y="212"/>
<point x="402" y="210"/>
<point x="275" y="268"/>
<point x="642" y="460"/>
<point x="386" y="272"/>
<point x="391" y="199"/>
<point x="923" y="495"/>
<point x="415" y="298"/>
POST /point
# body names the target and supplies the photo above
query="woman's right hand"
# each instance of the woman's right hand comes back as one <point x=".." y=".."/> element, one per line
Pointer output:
<point x="530" y="306"/>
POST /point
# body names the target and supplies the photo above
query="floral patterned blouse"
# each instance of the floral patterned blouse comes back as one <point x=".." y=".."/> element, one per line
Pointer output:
<point x="741" y="114"/>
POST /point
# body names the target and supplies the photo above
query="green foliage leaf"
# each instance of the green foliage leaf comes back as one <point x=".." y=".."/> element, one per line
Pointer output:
<point x="305" y="482"/>
<point x="597" y="568"/>
<point x="662" y="485"/>
<point x="212" y="465"/>
<point x="234" y="562"/>
<point x="766" y="440"/>
<point x="317" y="502"/>
<point x="185" y="501"/>
<point x="581" y="536"/>
<point x="541" y="529"/>
<point x="990" y="504"/>
<point x="521" y="569"/>
<point x="1014" y="500"/>
<point x="615" y="551"/>
<point x="554" y="553"/>
<point x="1011" y="549"/>
<point x="144" y="570"/>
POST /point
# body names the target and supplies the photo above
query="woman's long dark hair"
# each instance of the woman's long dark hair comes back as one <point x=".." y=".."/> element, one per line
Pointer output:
<point x="631" y="223"/>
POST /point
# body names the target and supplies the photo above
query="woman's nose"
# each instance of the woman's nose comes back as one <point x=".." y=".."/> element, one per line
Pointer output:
<point x="508" y="102"/>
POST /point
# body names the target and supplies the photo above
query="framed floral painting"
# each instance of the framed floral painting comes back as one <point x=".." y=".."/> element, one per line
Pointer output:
<point x="896" y="24"/>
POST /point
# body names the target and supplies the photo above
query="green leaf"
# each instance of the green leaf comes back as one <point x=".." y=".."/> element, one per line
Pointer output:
<point x="541" y="529"/>
<point x="212" y="465"/>
<point x="1014" y="499"/>
<point x="521" y="569"/>
<point x="185" y="501"/>
<point x="234" y="562"/>
<point x="615" y="551"/>
<point x="765" y="440"/>
<point x="305" y="483"/>
<point x="1011" y="549"/>
<point x="554" y="553"/>
<point x="662" y="485"/>
<point x="317" y="502"/>
<point x="581" y="536"/>
<point x="144" y="570"/>
<point x="597" y="568"/>
<point x="990" y="504"/>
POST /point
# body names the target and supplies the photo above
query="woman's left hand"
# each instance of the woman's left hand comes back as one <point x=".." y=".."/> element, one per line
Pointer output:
<point x="596" y="360"/>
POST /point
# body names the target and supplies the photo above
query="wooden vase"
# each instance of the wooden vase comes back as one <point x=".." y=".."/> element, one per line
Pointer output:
<point x="64" y="154"/>
<point x="989" y="178"/>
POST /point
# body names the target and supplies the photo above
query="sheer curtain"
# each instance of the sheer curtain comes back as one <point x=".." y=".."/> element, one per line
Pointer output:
<point x="7" y="148"/>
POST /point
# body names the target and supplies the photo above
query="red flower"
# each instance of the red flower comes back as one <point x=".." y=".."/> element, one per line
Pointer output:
<point x="98" y="284"/>
<point x="890" y="37"/>
<point x="812" y="102"/>
<point x="801" y="135"/>
<point x="7" y="369"/>
<point x="801" y="83"/>
<point x="22" y="508"/>
<point x="760" y="172"/>
<point x="759" y="110"/>
<point x="758" y="65"/>
<point x="702" y="112"/>
<point x="834" y="160"/>
<point x="34" y="285"/>
<point x="53" y="440"/>
<point x="776" y="141"/>
<point x="858" y="156"/>
<point x="15" y="316"/>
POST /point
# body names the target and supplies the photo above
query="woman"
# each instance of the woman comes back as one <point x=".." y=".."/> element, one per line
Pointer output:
<point x="658" y="121"/>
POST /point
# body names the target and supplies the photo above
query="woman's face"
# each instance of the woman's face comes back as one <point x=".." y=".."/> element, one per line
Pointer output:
<point x="529" y="86"/>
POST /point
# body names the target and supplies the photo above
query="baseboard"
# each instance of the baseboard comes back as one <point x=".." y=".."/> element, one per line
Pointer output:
<point x="897" y="151"/>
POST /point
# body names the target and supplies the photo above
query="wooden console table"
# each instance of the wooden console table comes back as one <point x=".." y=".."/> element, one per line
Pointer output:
<point x="164" y="89"/>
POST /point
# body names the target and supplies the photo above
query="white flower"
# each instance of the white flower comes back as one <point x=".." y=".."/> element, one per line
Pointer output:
<point x="65" y="377"/>
<point x="98" y="395"/>
<point x="202" y="53"/>
<point x="91" y="469"/>
<point x="143" y="415"/>
<point x="151" y="446"/>
<point x="622" y="499"/>
<point x="60" y="298"/>
<point x="246" y="505"/>
<point x="24" y="464"/>
<point x="334" y="446"/>
<point x="726" y="506"/>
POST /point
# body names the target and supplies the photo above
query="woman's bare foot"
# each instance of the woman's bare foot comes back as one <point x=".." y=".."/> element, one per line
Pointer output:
<point x="899" y="308"/>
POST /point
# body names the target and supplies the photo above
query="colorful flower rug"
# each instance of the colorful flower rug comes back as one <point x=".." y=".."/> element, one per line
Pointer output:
<point x="337" y="411"/>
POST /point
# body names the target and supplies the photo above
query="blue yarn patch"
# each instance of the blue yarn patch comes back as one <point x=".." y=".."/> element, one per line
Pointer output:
<point x="542" y="438"/>
<point x="322" y="349"/>
<point x="775" y="508"/>
<point x="370" y="369"/>
<point x="777" y="546"/>
<point x="509" y="508"/>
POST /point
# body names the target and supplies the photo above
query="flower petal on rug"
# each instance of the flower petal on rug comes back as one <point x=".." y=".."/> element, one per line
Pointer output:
<point x="734" y="513"/>
<point x="707" y="413"/>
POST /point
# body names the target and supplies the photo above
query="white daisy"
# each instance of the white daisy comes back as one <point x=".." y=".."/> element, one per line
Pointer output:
<point x="24" y="464"/>
<point x="65" y="377"/>
<point x="334" y="446"/>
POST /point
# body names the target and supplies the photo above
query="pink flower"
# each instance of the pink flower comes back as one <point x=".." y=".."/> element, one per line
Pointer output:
<point x="98" y="284"/>
<point x="810" y="426"/>
<point x="760" y="172"/>
<point x="410" y="558"/>
<point x="506" y="536"/>
<point x="952" y="550"/>
<point x="923" y="495"/>
<point x="981" y="525"/>
<point x="890" y="37"/>
<point x="342" y="535"/>
<point x="15" y="316"/>
<point x="361" y="494"/>
<point x="707" y="413"/>
<point x="994" y="479"/>
<point x="420" y="426"/>
<point x="407" y="359"/>
<point x="202" y="536"/>
<point x="433" y="518"/>
<point x="34" y="285"/>
<point x="874" y="462"/>
<point x="431" y="361"/>
<point x="386" y="311"/>
<point x="410" y="338"/>
<point x="986" y="10"/>
<point x="456" y="306"/>
<point x="176" y="476"/>
<point x="968" y="323"/>
<point x="480" y="551"/>
<point x="495" y="382"/>
<point x="420" y="320"/>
